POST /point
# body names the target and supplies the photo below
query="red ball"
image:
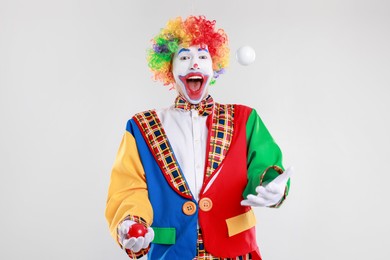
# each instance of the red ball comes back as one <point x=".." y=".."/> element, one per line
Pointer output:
<point x="137" y="230"/>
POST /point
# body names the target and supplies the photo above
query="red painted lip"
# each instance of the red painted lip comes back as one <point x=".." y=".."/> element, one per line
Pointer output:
<point x="194" y="94"/>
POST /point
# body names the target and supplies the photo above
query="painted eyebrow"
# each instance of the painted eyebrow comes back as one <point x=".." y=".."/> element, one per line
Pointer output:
<point x="184" y="49"/>
<point x="203" y="49"/>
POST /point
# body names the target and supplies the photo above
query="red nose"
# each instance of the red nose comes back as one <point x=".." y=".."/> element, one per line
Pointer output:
<point x="195" y="65"/>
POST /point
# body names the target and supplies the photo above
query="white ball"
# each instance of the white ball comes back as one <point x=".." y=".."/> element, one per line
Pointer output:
<point x="245" y="55"/>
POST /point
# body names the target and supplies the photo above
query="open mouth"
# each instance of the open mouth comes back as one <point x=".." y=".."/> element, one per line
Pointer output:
<point x="194" y="83"/>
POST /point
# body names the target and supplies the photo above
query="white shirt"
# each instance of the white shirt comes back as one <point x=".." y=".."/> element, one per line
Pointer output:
<point x="187" y="134"/>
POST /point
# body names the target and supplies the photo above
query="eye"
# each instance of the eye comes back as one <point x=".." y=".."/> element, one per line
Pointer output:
<point x="203" y="57"/>
<point x="184" y="58"/>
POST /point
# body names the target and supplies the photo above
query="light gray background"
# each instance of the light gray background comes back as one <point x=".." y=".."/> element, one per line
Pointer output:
<point x="72" y="73"/>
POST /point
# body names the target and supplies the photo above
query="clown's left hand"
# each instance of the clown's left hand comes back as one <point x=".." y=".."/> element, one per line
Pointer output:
<point x="270" y="194"/>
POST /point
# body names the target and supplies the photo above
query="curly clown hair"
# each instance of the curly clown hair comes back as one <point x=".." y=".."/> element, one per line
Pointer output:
<point x="195" y="30"/>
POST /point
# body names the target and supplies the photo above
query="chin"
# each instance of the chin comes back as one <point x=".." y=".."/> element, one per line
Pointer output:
<point x="195" y="99"/>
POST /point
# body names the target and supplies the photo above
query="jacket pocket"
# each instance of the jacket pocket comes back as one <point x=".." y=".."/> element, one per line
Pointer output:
<point x="241" y="223"/>
<point x="165" y="236"/>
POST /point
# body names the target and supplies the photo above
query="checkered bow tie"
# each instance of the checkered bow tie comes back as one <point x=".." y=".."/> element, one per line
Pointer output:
<point x="205" y="107"/>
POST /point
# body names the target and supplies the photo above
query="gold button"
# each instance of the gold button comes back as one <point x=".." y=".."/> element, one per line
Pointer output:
<point x="189" y="208"/>
<point x="205" y="204"/>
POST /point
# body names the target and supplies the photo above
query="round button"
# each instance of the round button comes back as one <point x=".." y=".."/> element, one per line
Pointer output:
<point x="189" y="208"/>
<point x="205" y="204"/>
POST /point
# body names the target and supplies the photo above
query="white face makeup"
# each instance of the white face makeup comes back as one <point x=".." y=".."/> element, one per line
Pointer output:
<point x="192" y="69"/>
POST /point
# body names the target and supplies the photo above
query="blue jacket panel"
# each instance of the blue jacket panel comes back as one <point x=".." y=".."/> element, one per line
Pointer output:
<point x="167" y="207"/>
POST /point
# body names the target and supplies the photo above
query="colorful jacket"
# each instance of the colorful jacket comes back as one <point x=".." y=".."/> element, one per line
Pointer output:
<point x="147" y="184"/>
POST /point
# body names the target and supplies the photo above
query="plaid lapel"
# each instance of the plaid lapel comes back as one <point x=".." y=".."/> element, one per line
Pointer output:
<point x="158" y="143"/>
<point x="220" y="136"/>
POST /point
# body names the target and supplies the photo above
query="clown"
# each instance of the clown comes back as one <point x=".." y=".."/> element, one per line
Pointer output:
<point x="191" y="173"/>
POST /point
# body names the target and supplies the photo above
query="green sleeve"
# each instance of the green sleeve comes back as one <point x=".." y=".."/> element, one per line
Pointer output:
<point x="264" y="157"/>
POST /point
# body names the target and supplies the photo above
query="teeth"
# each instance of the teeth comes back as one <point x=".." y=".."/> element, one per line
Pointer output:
<point x="195" y="77"/>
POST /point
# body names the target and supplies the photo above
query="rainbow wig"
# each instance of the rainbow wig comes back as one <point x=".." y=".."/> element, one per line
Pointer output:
<point x="195" y="30"/>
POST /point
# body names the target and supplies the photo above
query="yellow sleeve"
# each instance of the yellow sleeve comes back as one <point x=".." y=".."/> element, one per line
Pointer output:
<point x="127" y="193"/>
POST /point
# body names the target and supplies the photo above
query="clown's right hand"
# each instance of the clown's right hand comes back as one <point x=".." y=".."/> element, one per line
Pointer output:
<point x="132" y="243"/>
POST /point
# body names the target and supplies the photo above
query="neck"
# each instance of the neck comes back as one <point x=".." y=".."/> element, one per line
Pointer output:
<point x="193" y="102"/>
